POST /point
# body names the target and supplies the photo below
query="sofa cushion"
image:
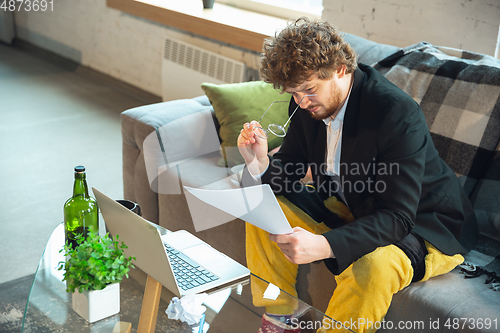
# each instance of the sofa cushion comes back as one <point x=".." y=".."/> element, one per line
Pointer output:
<point x="369" y="52"/>
<point x="446" y="303"/>
<point x="459" y="93"/>
<point x="236" y="104"/>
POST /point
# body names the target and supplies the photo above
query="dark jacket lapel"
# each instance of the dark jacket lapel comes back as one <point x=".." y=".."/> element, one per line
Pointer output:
<point x="351" y="118"/>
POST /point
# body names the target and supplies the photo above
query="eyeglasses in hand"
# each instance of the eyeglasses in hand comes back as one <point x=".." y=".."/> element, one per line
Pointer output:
<point x="276" y="129"/>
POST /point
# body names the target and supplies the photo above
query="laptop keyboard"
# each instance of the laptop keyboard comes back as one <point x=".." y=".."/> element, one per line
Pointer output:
<point x="188" y="273"/>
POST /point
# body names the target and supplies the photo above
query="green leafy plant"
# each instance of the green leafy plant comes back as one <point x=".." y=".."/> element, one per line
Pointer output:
<point x="94" y="263"/>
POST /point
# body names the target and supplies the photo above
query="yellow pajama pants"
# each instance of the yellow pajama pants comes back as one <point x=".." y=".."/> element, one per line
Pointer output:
<point x="364" y="290"/>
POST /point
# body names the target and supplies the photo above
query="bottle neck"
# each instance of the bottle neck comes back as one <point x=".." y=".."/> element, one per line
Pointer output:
<point x="80" y="187"/>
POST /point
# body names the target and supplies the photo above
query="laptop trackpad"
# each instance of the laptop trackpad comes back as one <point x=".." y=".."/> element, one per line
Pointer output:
<point x="203" y="254"/>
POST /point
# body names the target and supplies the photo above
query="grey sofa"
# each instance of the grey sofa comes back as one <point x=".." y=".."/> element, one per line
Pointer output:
<point x="447" y="303"/>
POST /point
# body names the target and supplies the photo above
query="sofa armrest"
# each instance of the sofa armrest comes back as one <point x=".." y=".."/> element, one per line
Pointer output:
<point x="137" y="124"/>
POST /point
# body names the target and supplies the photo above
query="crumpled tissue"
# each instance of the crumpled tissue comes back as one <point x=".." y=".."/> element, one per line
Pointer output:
<point x="188" y="308"/>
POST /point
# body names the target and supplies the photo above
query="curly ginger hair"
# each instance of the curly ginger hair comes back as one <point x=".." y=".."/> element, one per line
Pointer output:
<point x="302" y="49"/>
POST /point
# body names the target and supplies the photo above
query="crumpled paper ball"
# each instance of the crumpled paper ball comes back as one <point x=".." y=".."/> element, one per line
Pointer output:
<point x="188" y="308"/>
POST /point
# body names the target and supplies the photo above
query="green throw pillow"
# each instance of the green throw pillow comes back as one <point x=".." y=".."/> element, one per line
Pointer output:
<point x="236" y="104"/>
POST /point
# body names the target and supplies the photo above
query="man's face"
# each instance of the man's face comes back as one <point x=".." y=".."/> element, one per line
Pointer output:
<point x="329" y="96"/>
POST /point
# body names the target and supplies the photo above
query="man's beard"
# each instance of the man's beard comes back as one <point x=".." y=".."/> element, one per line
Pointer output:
<point x="334" y="104"/>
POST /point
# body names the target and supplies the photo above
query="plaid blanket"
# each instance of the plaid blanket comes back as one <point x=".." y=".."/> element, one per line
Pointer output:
<point x="459" y="93"/>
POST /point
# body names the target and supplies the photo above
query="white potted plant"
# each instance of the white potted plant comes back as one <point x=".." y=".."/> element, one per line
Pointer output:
<point x="93" y="272"/>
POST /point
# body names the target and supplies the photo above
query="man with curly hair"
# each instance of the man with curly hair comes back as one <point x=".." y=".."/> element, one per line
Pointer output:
<point x="383" y="209"/>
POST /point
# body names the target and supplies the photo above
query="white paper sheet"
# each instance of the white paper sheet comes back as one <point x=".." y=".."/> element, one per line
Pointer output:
<point x="256" y="205"/>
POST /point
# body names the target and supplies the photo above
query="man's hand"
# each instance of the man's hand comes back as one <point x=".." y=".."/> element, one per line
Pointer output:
<point x="253" y="149"/>
<point x="303" y="247"/>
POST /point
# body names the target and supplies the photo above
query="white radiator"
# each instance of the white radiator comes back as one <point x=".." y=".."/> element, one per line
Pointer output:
<point x="185" y="67"/>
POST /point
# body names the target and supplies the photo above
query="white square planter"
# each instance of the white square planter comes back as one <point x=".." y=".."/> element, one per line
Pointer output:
<point x="95" y="305"/>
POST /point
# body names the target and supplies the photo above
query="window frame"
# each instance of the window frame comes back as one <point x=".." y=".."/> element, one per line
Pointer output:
<point x="268" y="9"/>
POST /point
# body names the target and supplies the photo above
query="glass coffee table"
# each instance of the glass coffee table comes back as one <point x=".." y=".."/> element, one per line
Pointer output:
<point x="229" y="309"/>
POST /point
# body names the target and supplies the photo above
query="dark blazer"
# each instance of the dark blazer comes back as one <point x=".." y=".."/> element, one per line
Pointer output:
<point x="392" y="177"/>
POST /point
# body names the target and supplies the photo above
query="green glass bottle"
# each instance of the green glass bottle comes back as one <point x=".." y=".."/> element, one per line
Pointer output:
<point x="80" y="211"/>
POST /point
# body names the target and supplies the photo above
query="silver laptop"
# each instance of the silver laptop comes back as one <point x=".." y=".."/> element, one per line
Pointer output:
<point x="180" y="261"/>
